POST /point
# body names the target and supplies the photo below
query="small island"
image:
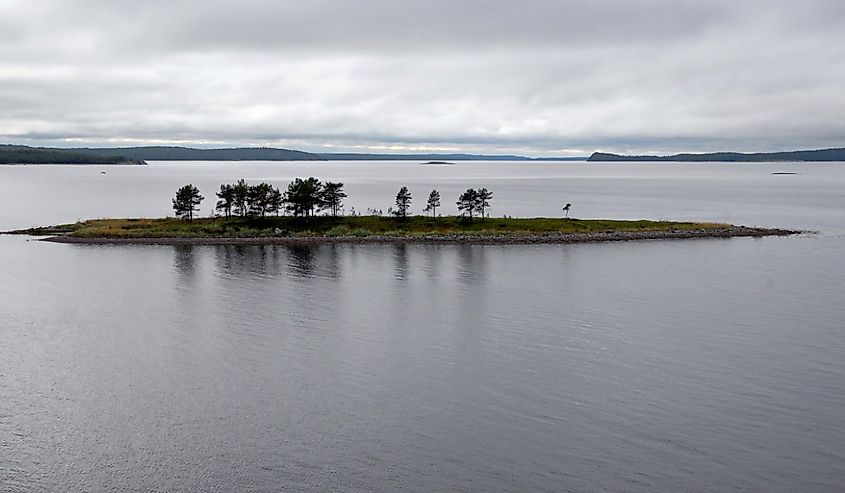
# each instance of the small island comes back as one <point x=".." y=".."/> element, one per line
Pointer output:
<point x="378" y="229"/>
<point x="262" y="214"/>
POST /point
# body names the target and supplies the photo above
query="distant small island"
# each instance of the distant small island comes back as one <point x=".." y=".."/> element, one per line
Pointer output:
<point x="814" y="155"/>
<point x="437" y="162"/>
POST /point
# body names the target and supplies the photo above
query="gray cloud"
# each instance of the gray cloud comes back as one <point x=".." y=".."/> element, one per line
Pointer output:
<point x="535" y="77"/>
<point x="387" y="25"/>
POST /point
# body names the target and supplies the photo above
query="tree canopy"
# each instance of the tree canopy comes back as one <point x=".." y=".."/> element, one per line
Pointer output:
<point x="187" y="201"/>
<point x="244" y="199"/>
<point x="433" y="203"/>
<point x="403" y="202"/>
<point x="241" y="193"/>
<point x="226" y="197"/>
<point x="304" y="197"/>
<point x="474" y="201"/>
<point x="482" y="200"/>
<point x="332" y="197"/>
<point x="264" y="199"/>
<point x="466" y="203"/>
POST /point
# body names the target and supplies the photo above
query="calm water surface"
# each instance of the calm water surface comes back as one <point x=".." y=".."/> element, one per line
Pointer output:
<point x="701" y="365"/>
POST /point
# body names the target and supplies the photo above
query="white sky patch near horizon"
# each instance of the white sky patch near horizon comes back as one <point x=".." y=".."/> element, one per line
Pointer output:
<point x="539" y="77"/>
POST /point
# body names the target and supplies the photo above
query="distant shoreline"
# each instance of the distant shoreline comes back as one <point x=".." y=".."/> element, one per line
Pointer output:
<point x="97" y="155"/>
<point x="128" y="162"/>
<point x="23" y="155"/>
<point x="177" y="153"/>
<point x="818" y="155"/>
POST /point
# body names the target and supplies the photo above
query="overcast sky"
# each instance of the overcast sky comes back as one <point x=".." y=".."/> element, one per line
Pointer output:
<point x="535" y="77"/>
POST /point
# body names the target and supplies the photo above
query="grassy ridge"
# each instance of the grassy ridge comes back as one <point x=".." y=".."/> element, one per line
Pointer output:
<point x="250" y="227"/>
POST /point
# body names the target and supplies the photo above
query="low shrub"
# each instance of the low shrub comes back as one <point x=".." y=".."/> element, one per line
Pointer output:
<point x="338" y="231"/>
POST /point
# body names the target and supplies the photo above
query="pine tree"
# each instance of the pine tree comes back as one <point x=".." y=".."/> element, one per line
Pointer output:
<point x="227" y="199"/>
<point x="433" y="203"/>
<point x="263" y="198"/>
<point x="187" y="201"/>
<point x="276" y="201"/>
<point x="303" y="197"/>
<point x="332" y="196"/>
<point x="241" y="197"/>
<point x="482" y="200"/>
<point x="403" y="202"/>
<point x="468" y="202"/>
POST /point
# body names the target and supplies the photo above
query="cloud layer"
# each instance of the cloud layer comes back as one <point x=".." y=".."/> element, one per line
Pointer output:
<point x="536" y="77"/>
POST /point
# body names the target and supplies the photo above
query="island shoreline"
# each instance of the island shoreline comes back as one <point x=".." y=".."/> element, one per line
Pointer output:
<point x="440" y="239"/>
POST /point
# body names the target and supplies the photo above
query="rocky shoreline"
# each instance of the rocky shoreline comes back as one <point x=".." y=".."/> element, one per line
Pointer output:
<point x="505" y="239"/>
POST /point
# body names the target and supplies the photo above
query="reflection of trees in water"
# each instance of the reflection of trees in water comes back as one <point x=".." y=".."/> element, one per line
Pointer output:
<point x="301" y="260"/>
<point x="271" y="261"/>
<point x="189" y="284"/>
<point x="331" y="253"/>
<point x="472" y="263"/>
<point x="472" y="298"/>
<point x="432" y="257"/>
<point x="256" y="260"/>
<point x="326" y="261"/>
<point x="470" y="266"/>
<point x="183" y="260"/>
<point x="315" y="261"/>
<point x="400" y="261"/>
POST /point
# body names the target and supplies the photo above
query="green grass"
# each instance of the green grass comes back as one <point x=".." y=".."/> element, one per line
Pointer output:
<point x="362" y="226"/>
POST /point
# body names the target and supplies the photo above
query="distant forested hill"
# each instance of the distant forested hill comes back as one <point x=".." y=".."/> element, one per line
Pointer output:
<point x="105" y="155"/>
<point x="12" y="154"/>
<point x="817" y="155"/>
<point x="165" y="153"/>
